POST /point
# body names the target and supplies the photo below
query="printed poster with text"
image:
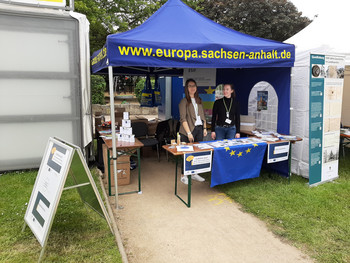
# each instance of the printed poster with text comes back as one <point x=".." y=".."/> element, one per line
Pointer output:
<point x="48" y="188"/>
<point x="326" y="89"/>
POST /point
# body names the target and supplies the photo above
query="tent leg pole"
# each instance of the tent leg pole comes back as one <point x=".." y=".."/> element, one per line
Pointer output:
<point x="114" y="147"/>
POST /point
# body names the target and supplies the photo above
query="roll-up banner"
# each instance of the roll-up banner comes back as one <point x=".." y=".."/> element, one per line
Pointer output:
<point x="326" y="89"/>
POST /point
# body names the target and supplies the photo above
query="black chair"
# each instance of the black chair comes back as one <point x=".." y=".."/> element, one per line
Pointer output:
<point x="163" y="134"/>
<point x="140" y="129"/>
<point x="174" y="126"/>
<point x="167" y="131"/>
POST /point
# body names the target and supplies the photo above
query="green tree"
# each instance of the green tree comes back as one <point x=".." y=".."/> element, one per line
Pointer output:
<point x="272" y="19"/>
<point x="112" y="16"/>
<point x="98" y="86"/>
<point x="99" y="22"/>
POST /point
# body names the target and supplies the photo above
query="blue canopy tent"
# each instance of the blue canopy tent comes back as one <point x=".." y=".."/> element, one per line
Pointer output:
<point x="177" y="37"/>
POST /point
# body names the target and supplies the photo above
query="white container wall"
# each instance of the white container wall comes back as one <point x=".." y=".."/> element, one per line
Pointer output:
<point x="39" y="84"/>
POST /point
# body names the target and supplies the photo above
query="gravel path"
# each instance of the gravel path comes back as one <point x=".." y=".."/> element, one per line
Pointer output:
<point x="157" y="227"/>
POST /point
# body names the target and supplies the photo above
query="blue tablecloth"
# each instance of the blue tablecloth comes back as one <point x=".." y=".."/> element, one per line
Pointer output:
<point x="238" y="162"/>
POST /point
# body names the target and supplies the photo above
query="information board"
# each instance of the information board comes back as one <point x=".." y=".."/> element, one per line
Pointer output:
<point x="197" y="162"/>
<point x="205" y="77"/>
<point x="326" y="88"/>
<point x="277" y="152"/>
<point x="48" y="188"/>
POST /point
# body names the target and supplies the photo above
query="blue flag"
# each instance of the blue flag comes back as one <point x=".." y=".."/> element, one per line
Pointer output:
<point x="237" y="162"/>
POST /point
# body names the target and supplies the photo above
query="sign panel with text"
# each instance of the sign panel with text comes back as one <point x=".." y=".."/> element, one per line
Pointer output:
<point x="277" y="152"/>
<point x="197" y="162"/>
<point x="326" y="89"/>
<point x="48" y="188"/>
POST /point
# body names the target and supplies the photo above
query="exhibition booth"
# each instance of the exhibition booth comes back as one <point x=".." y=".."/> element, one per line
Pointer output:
<point x="178" y="41"/>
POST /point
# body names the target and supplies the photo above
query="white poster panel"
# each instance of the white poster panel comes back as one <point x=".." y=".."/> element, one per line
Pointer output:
<point x="48" y="188"/>
<point x="333" y="93"/>
<point x="204" y="77"/>
<point x="197" y="162"/>
<point x="277" y="152"/>
<point x="326" y="91"/>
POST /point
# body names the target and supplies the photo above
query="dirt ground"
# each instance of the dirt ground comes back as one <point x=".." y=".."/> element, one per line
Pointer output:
<point x="156" y="226"/>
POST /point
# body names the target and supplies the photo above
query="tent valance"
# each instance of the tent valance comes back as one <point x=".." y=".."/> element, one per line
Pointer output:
<point x="176" y="36"/>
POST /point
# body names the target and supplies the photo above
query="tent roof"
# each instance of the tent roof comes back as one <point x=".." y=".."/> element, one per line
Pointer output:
<point x="176" y="36"/>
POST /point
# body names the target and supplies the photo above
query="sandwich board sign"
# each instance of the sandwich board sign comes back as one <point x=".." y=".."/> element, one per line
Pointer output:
<point x="61" y="161"/>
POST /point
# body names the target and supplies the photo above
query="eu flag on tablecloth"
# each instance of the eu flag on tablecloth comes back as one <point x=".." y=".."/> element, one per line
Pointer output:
<point x="237" y="162"/>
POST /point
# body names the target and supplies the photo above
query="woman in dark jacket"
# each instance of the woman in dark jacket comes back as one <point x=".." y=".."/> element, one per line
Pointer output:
<point x="226" y="116"/>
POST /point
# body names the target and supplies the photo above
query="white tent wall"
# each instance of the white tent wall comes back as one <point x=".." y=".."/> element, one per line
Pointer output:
<point x="300" y="118"/>
<point x="84" y="48"/>
<point x="325" y="35"/>
<point x="345" y="116"/>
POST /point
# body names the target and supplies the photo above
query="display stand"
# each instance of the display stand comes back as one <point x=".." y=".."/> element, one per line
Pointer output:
<point x="60" y="160"/>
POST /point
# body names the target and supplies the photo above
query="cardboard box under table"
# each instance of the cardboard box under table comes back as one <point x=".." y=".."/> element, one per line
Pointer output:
<point x="124" y="151"/>
<point x="123" y="168"/>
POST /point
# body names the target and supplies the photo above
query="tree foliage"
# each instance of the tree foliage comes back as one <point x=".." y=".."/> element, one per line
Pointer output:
<point x="272" y="19"/>
<point x="112" y="16"/>
<point x="98" y="86"/>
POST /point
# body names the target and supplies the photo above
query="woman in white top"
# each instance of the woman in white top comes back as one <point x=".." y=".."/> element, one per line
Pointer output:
<point x="193" y="125"/>
<point x="192" y="120"/>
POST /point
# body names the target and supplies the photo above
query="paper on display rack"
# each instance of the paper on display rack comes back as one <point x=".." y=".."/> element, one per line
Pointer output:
<point x="256" y="140"/>
<point x="203" y="146"/>
<point x="345" y="131"/>
<point x="288" y="137"/>
<point x="108" y="136"/>
<point x="269" y="139"/>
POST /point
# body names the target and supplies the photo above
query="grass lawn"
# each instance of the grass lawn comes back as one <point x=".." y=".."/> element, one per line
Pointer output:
<point x="316" y="219"/>
<point x="78" y="234"/>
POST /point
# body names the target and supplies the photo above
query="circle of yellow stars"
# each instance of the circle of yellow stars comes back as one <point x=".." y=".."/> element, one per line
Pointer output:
<point x="240" y="153"/>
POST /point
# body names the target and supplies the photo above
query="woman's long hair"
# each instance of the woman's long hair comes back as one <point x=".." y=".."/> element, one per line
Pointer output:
<point x="196" y="95"/>
<point x="233" y="95"/>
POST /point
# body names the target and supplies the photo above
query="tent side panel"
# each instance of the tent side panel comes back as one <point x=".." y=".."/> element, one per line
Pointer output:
<point x="300" y="119"/>
<point x="245" y="79"/>
<point x="345" y="116"/>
